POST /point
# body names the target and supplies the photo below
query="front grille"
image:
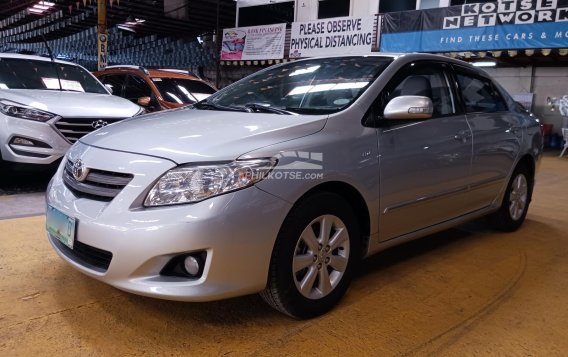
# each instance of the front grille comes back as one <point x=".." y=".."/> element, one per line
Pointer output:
<point x="99" y="185"/>
<point x="86" y="255"/>
<point x="75" y="128"/>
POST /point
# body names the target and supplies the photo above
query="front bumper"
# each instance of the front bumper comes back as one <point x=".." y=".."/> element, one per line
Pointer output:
<point x="237" y="230"/>
<point x="52" y="145"/>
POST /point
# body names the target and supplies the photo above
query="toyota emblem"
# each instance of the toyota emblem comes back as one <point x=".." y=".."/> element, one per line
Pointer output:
<point x="97" y="124"/>
<point x="80" y="172"/>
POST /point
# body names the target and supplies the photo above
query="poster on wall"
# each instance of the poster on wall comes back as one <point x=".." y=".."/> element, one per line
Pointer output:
<point x="503" y="24"/>
<point x="525" y="99"/>
<point x="253" y="43"/>
<point x="329" y="37"/>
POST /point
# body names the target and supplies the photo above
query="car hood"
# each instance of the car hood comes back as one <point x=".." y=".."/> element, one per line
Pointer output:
<point x="189" y="135"/>
<point x="73" y="104"/>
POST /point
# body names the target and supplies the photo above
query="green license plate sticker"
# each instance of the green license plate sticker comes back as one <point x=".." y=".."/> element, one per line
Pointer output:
<point x="61" y="226"/>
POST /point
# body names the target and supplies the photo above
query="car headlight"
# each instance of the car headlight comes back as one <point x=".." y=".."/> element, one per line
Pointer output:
<point x="23" y="111"/>
<point x="187" y="184"/>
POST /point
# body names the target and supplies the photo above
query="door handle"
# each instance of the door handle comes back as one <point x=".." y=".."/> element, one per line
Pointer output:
<point x="462" y="135"/>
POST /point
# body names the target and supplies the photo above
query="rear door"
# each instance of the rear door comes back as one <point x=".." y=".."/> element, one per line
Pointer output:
<point x="424" y="165"/>
<point x="497" y="134"/>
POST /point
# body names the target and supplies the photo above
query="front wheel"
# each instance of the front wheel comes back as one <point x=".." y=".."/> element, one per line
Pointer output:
<point x="515" y="205"/>
<point x="313" y="260"/>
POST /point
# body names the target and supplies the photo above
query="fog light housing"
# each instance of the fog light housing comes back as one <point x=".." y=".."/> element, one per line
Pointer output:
<point x="21" y="141"/>
<point x="188" y="265"/>
<point x="191" y="265"/>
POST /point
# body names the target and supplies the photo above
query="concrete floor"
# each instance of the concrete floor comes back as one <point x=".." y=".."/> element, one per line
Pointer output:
<point x="466" y="291"/>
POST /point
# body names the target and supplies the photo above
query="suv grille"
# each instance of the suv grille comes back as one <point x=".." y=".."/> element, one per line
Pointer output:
<point x="99" y="185"/>
<point x="75" y="128"/>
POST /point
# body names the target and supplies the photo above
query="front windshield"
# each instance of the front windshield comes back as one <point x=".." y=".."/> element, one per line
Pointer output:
<point x="317" y="86"/>
<point x="182" y="91"/>
<point x="17" y="73"/>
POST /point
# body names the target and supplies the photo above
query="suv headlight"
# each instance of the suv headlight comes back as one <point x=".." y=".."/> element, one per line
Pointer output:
<point x="23" y="111"/>
<point x="187" y="184"/>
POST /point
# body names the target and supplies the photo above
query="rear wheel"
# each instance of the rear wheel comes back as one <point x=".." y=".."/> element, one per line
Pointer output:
<point x="515" y="205"/>
<point x="314" y="256"/>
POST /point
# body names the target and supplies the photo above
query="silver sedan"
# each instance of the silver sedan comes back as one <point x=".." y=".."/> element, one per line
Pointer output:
<point x="282" y="182"/>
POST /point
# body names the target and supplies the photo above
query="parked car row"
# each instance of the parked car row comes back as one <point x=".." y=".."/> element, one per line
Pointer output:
<point x="283" y="181"/>
<point x="47" y="105"/>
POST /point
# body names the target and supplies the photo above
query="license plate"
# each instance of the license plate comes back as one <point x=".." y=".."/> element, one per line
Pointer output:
<point x="61" y="226"/>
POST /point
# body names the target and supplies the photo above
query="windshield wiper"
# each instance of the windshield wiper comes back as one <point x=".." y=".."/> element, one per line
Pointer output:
<point x="204" y="104"/>
<point x="255" y="107"/>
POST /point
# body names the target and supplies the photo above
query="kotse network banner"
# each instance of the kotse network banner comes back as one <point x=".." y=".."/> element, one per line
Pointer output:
<point x="504" y="24"/>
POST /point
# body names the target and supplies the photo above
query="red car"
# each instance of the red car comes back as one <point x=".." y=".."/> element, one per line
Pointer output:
<point x="155" y="89"/>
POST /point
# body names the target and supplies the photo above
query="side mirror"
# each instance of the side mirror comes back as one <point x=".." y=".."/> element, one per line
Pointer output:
<point x="109" y="87"/>
<point x="144" y="101"/>
<point x="409" y="107"/>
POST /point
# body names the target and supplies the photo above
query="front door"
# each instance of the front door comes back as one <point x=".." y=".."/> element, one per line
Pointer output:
<point x="424" y="165"/>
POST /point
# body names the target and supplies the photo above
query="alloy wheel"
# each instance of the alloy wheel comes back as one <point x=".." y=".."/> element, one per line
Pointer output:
<point x="518" y="197"/>
<point x="321" y="256"/>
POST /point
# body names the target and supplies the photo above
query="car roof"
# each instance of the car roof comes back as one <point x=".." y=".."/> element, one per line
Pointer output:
<point x="32" y="57"/>
<point x="171" y="74"/>
<point x="395" y="55"/>
<point x="412" y="56"/>
<point x="152" y="73"/>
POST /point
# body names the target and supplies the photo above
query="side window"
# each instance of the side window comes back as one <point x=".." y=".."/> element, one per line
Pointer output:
<point x="479" y="94"/>
<point x="115" y="81"/>
<point x="423" y="79"/>
<point x="136" y="87"/>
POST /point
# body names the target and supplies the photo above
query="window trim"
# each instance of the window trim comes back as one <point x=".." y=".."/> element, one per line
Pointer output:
<point x="446" y="70"/>
<point x="143" y="78"/>
<point x="121" y="92"/>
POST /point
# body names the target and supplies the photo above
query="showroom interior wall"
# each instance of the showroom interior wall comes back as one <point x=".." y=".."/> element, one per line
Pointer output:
<point x="544" y="82"/>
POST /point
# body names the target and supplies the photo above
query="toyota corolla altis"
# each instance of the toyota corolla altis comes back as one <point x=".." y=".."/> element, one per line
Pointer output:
<point x="283" y="181"/>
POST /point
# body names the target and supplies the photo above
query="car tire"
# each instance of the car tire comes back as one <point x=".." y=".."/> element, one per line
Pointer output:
<point x="311" y="268"/>
<point x="516" y="200"/>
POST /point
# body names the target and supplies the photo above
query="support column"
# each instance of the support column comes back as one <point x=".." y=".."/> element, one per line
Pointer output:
<point x="102" y="36"/>
<point x="218" y="42"/>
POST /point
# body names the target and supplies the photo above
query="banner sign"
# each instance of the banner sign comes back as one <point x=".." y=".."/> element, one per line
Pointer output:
<point x="500" y="25"/>
<point x="328" y="37"/>
<point x="253" y="43"/>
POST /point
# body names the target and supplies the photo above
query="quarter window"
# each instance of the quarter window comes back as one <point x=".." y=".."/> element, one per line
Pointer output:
<point x="480" y="95"/>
